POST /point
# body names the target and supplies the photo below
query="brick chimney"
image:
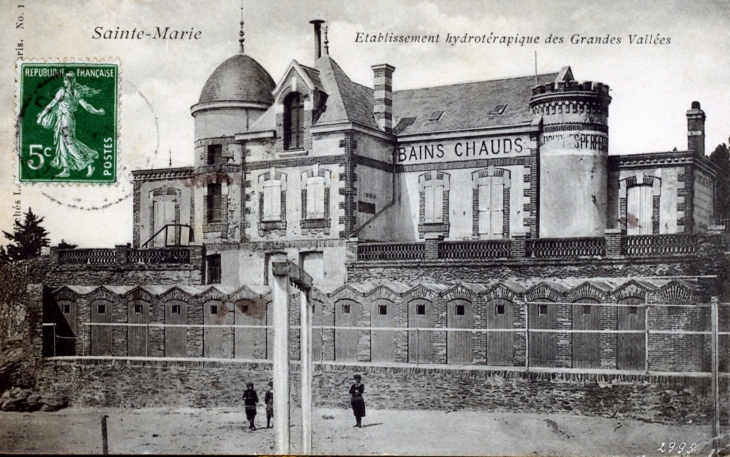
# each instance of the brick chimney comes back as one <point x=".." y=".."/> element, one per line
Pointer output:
<point x="383" y="96"/>
<point x="696" y="129"/>
<point x="317" y="37"/>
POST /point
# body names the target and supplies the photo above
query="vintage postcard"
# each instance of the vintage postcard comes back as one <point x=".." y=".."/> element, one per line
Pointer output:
<point x="418" y="227"/>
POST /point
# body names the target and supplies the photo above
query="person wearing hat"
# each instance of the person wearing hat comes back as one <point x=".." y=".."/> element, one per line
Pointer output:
<point x="269" y="400"/>
<point x="249" y="403"/>
<point x="358" y="405"/>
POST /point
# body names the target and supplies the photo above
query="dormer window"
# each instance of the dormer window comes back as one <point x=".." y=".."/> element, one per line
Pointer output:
<point x="294" y="121"/>
<point x="499" y="109"/>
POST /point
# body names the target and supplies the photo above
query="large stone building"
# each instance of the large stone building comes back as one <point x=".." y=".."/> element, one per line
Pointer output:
<point x="302" y="164"/>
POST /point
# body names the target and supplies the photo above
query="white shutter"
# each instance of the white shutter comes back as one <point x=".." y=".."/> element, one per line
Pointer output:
<point x="639" y="207"/>
<point x="315" y="197"/>
<point x="319" y="198"/>
<point x="267" y="200"/>
<point x="311" y="198"/>
<point x="272" y="200"/>
<point x="428" y="216"/>
<point x="275" y="200"/>
<point x="496" y="209"/>
<point x="484" y="202"/>
<point x="438" y="203"/>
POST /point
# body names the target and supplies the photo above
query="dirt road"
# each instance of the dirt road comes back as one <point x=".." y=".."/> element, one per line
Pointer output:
<point x="224" y="431"/>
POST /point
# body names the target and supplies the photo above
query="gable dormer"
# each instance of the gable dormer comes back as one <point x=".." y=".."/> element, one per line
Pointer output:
<point x="299" y="99"/>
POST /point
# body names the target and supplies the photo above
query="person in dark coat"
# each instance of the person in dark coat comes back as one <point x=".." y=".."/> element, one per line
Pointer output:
<point x="249" y="403"/>
<point x="358" y="405"/>
<point x="269" y="400"/>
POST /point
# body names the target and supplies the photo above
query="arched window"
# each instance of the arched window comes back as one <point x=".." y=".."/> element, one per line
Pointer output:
<point x="293" y="121"/>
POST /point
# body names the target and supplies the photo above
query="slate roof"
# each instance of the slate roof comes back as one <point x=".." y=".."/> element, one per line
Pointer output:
<point x="240" y="78"/>
<point x="347" y="100"/>
<point x="466" y="105"/>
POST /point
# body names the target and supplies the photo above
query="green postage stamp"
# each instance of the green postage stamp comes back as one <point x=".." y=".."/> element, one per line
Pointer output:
<point x="67" y="122"/>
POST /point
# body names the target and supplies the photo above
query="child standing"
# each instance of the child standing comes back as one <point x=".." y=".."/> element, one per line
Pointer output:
<point x="249" y="403"/>
<point x="269" y="400"/>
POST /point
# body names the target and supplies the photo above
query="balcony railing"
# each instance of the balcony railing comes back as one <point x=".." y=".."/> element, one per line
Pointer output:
<point x="565" y="247"/>
<point x="126" y="256"/>
<point x="87" y="257"/>
<point x="650" y="245"/>
<point x="391" y="251"/>
<point x="612" y="245"/>
<point x="487" y="249"/>
<point x="158" y="256"/>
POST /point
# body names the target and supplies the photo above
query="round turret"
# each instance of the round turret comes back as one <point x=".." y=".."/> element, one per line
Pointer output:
<point x="573" y="157"/>
<point x="233" y="97"/>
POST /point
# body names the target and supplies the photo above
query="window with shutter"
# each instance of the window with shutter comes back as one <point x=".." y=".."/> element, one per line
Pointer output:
<point x="491" y="191"/>
<point x="639" y="205"/>
<point x="272" y="200"/>
<point x="433" y="202"/>
<point x="315" y="197"/>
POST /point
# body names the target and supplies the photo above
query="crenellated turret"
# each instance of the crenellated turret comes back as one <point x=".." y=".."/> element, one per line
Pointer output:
<point x="573" y="156"/>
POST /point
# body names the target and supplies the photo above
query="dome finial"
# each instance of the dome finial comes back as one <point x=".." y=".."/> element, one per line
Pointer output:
<point x="240" y="34"/>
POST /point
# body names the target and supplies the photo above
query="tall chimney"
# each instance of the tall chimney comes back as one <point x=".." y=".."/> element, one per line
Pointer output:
<point x="317" y="37"/>
<point x="383" y="96"/>
<point x="696" y="129"/>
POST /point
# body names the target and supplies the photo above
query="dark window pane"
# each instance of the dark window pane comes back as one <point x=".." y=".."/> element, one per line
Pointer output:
<point x="542" y="309"/>
<point x="214" y="201"/>
<point x="420" y="309"/>
<point x="137" y="309"/>
<point x="213" y="309"/>
<point x="459" y="310"/>
<point x="102" y="309"/>
<point x="214" y="269"/>
<point x="499" y="309"/>
<point x="383" y="310"/>
<point x="215" y="154"/>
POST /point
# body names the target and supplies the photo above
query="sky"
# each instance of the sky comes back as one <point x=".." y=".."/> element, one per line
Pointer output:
<point x="652" y="85"/>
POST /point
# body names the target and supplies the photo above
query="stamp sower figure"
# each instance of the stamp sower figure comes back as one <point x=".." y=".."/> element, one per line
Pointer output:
<point x="358" y="405"/>
<point x="60" y="115"/>
<point x="249" y="403"/>
<point x="269" y="400"/>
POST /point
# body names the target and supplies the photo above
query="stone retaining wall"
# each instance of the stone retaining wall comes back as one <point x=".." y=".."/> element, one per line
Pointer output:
<point x="188" y="383"/>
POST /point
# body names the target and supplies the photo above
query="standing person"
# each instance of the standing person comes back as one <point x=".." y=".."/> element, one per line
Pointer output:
<point x="358" y="405"/>
<point x="269" y="400"/>
<point x="249" y="403"/>
<point x="60" y="115"/>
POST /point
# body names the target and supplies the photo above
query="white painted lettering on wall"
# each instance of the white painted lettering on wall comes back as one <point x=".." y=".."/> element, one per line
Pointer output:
<point x="482" y="148"/>
<point x="594" y="141"/>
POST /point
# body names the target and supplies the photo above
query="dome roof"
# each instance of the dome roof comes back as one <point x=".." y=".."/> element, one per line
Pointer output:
<point x="239" y="79"/>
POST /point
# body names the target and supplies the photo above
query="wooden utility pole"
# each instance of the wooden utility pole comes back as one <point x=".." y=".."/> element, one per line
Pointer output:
<point x="285" y="273"/>
<point x="281" y="356"/>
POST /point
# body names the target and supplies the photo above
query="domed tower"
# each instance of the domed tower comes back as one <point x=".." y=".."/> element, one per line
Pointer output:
<point x="573" y="156"/>
<point x="233" y="97"/>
